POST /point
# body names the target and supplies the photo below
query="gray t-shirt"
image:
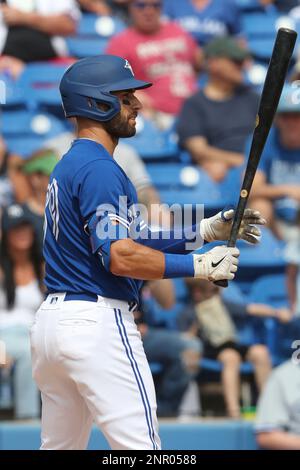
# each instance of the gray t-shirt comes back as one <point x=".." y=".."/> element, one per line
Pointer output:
<point x="224" y="124"/>
<point x="124" y="154"/>
<point x="279" y="404"/>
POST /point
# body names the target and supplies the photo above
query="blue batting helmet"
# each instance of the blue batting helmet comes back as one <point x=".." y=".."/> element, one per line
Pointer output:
<point x="91" y="80"/>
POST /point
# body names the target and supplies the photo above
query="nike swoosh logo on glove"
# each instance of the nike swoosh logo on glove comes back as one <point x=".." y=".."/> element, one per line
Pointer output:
<point x="214" y="265"/>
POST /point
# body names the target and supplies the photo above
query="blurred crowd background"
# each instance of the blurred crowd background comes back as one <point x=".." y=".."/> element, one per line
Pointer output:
<point x="211" y="351"/>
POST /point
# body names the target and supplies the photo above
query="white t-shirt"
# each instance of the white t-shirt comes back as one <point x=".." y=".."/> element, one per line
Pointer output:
<point x="27" y="301"/>
<point x="43" y="7"/>
<point x="292" y="256"/>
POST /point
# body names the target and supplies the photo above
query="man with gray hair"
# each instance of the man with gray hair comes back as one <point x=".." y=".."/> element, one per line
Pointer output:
<point x="278" y="417"/>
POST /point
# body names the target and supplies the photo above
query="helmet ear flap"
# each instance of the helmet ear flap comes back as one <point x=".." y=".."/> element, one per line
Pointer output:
<point x="91" y="103"/>
<point x="107" y="106"/>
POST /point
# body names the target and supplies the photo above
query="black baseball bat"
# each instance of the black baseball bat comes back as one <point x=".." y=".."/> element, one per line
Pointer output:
<point x="277" y="70"/>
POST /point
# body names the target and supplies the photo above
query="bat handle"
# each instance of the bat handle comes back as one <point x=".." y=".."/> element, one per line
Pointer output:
<point x="231" y="243"/>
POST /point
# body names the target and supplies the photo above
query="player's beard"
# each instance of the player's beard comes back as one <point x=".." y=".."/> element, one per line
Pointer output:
<point x="120" y="127"/>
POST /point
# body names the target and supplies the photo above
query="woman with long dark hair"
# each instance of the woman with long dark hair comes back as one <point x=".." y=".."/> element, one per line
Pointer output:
<point x="20" y="294"/>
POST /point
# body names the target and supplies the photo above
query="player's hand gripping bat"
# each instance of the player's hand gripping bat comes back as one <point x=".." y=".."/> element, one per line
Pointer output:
<point x="277" y="70"/>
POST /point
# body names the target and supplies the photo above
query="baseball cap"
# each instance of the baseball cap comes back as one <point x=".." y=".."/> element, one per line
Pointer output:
<point x="43" y="161"/>
<point x="15" y="215"/>
<point x="226" y="47"/>
<point x="290" y="99"/>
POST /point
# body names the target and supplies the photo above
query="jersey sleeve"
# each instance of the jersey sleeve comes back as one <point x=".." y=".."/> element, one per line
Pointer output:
<point x="102" y="192"/>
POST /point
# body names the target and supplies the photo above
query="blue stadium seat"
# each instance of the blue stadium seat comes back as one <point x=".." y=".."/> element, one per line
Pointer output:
<point x="216" y="366"/>
<point x="42" y="73"/>
<point x="233" y="293"/>
<point x="11" y="95"/>
<point x="21" y="123"/>
<point x="94" y="25"/>
<point x="26" y="132"/>
<point x="261" y="48"/>
<point x="40" y="82"/>
<point x="25" y="146"/>
<point x="157" y="316"/>
<point x="153" y="144"/>
<point x="260" y="24"/>
<point x="248" y="5"/>
<point x="271" y="290"/>
<point x="260" y="30"/>
<point x="86" y="47"/>
<point x="180" y="288"/>
<point x="268" y="253"/>
<point x="206" y="193"/>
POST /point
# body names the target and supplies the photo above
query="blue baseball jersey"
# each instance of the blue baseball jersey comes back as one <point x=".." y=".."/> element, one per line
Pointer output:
<point x="86" y="178"/>
<point x="218" y="18"/>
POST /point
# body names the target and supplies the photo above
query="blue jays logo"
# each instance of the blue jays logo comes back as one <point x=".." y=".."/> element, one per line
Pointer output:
<point x="128" y="66"/>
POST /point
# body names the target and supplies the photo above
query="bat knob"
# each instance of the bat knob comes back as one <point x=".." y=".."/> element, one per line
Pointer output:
<point x="221" y="283"/>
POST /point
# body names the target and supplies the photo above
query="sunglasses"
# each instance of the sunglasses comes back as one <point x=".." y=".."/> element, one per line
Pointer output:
<point x="143" y="5"/>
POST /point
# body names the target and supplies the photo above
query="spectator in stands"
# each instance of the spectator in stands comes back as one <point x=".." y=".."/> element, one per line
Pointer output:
<point x="30" y="179"/>
<point x="99" y="7"/>
<point x="20" y="296"/>
<point x="117" y="8"/>
<point x="278" y="417"/>
<point x="32" y="31"/>
<point x="205" y="19"/>
<point x="178" y="354"/>
<point x="215" y="122"/>
<point x="283" y="6"/>
<point x="210" y="317"/>
<point x="159" y="52"/>
<point x="292" y="256"/>
<point x="6" y="190"/>
<point x="276" y="188"/>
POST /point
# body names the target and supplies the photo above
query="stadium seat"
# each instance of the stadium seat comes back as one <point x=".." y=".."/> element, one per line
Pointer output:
<point x="26" y="123"/>
<point x="233" y="293"/>
<point x="86" y="47"/>
<point x="260" y="31"/>
<point x="25" y="132"/>
<point x="271" y="290"/>
<point x="216" y="366"/>
<point x="94" y="25"/>
<point x="40" y="82"/>
<point x="11" y="95"/>
<point x="267" y="253"/>
<point x="152" y="144"/>
<point x="180" y="288"/>
<point x="248" y="5"/>
<point x="25" y="146"/>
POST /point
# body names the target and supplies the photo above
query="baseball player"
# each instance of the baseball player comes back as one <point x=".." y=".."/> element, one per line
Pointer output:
<point x="88" y="358"/>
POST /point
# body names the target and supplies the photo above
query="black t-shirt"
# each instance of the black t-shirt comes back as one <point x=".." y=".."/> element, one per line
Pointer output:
<point x="225" y="124"/>
<point x="28" y="44"/>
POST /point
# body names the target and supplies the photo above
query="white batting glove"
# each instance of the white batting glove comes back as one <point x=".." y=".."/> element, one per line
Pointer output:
<point x="218" y="227"/>
<point x="219" y="263"/>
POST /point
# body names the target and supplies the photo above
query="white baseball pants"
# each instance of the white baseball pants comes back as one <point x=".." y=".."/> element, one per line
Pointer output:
<point x="89" y="363"/>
